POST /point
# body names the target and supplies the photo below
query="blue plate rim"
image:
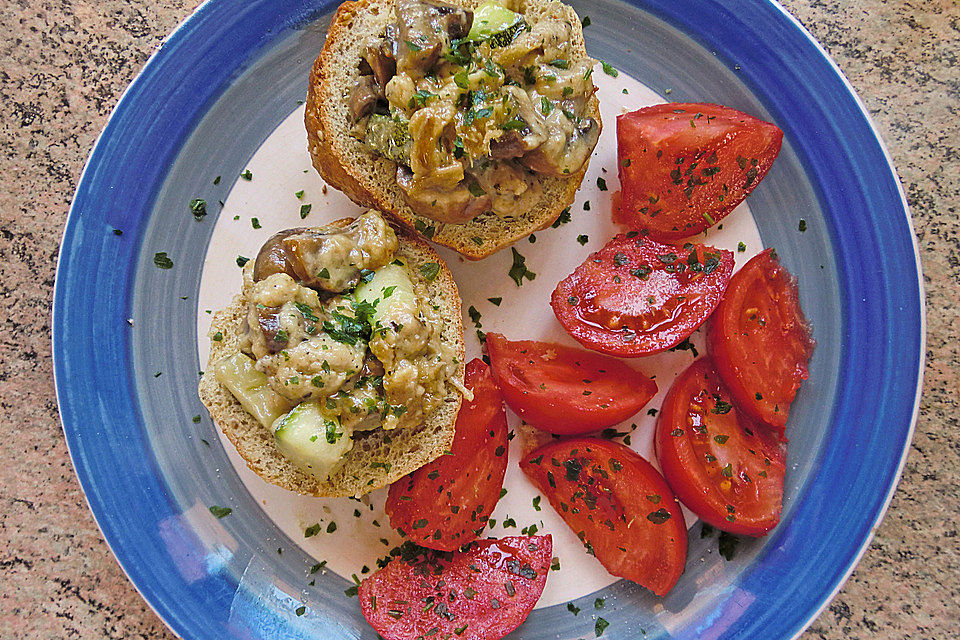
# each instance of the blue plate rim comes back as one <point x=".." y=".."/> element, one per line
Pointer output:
<point x="921" y="363"/>
<point x="195" y="17"/>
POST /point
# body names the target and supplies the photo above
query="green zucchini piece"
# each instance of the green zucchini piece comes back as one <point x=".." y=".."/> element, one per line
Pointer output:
<point x="491" y="18"/>
<point x="250" y="388"/>
<point x="311" y="439"/>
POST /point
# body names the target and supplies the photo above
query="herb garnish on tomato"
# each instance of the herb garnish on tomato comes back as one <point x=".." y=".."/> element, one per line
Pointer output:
<point x="684" y="166"/>
<point x="636" y="296"/>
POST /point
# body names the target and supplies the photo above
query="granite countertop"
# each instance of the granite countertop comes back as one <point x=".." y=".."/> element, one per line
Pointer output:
<point x="65" y="64"/>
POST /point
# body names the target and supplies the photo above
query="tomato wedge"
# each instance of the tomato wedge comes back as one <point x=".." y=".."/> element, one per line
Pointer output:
<point x="481" y="593"/>
<point x="447" y="502"/>
<point x="619" y="506"/>
<point x="723" y="466"/>
<point x="636" y="296"/>
<point x="760" y="340"/>
<point x="684" y="166"/>
<point x="563" y="390"/>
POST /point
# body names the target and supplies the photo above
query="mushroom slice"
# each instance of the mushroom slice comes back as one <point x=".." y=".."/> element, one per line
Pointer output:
<point x="425" y="29"/>
<point x="275" y="257"/>
<point x="364" y="98"/>
<point x="566" y="150"/>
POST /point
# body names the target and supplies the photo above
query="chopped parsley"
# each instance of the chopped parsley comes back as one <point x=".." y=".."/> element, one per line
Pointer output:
<point x="720" y="407"/>
<point x="247" y="175"/>
<point x="727" y="544"/>
<point x="241" y="260"/>
<point x="519" y="271"/>
<point x="613" y="73"/>
<point x="198" y="207"/>
<point x="429" y="270"/>
<point x="220" y="512"/>
<point x="332" y="435"/>
<point x="346" y="329"/>
<point x="583" y="239"/>
<point x="546" y="107"/>
<point x="601" y="626"/>
<point x="162" y="260"/>
<point x="563" y="218"/>
<point x="305" y="210"/>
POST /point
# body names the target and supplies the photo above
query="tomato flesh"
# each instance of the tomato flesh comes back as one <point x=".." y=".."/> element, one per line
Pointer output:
<point x="618" y="505"/>
<point x="483" y="592"/>
<point x="446" y="503"/>
<point x="721" y="464"/>
<point x="636" y="296"/>
<point x="563" y="390"/>
<point x="684" y="166"/>
<point x="760" y="340"/>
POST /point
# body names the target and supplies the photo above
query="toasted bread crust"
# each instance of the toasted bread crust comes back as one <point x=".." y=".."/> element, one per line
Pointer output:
<point x="378" y="458"/>
<point x="370" y="180"/>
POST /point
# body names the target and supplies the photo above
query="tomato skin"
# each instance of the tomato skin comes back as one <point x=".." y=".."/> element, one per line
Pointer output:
<point x="760" y="340"/>
<point x="684" y="166"/>
<point x="446" y="503"/>
<point x="563" y="390"/>
<point x="468" y="590"/>
<point x="699" y="433"/>
<point x="618" y="505"/>
<point x="636" y="296"/>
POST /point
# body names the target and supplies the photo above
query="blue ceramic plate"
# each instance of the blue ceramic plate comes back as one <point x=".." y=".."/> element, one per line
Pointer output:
<point x="125" y="331"/>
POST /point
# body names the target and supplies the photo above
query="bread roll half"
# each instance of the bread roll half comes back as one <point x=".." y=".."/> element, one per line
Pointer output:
<point x="370" y="180"/>
<point x="378" y="457"/>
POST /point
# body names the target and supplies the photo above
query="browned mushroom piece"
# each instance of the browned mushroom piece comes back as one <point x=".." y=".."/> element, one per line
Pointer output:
<point x="275" y="257"/>
<point x="364" y="97"/>
<point x="566" y="158"/>
<point x="509" y="145"/>
<point x="372" y="367"/>
<point x="455" y="206"/>
<point x="379" y="59"/>
<point x="425" y="29"/>
<point x="269" y="320"/>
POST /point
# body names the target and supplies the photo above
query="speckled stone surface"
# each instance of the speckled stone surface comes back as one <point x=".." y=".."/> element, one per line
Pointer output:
<point x="64" y="64"/>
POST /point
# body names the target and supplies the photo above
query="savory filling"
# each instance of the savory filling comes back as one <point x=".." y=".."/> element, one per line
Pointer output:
<point x="340" y="337"/>
<point x="472" y="105"/>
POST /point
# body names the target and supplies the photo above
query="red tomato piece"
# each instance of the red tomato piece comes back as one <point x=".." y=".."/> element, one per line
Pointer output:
<point x="684" y="166"/>
<point x="636" y="296"/>
<point x="563" y="390"/>
<point x="446" y="503"/>
<point x="760" y="340"/>
<point x="619" y="506"/>
<point x="723" y="466"/>
<point x="483" y="592"/>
